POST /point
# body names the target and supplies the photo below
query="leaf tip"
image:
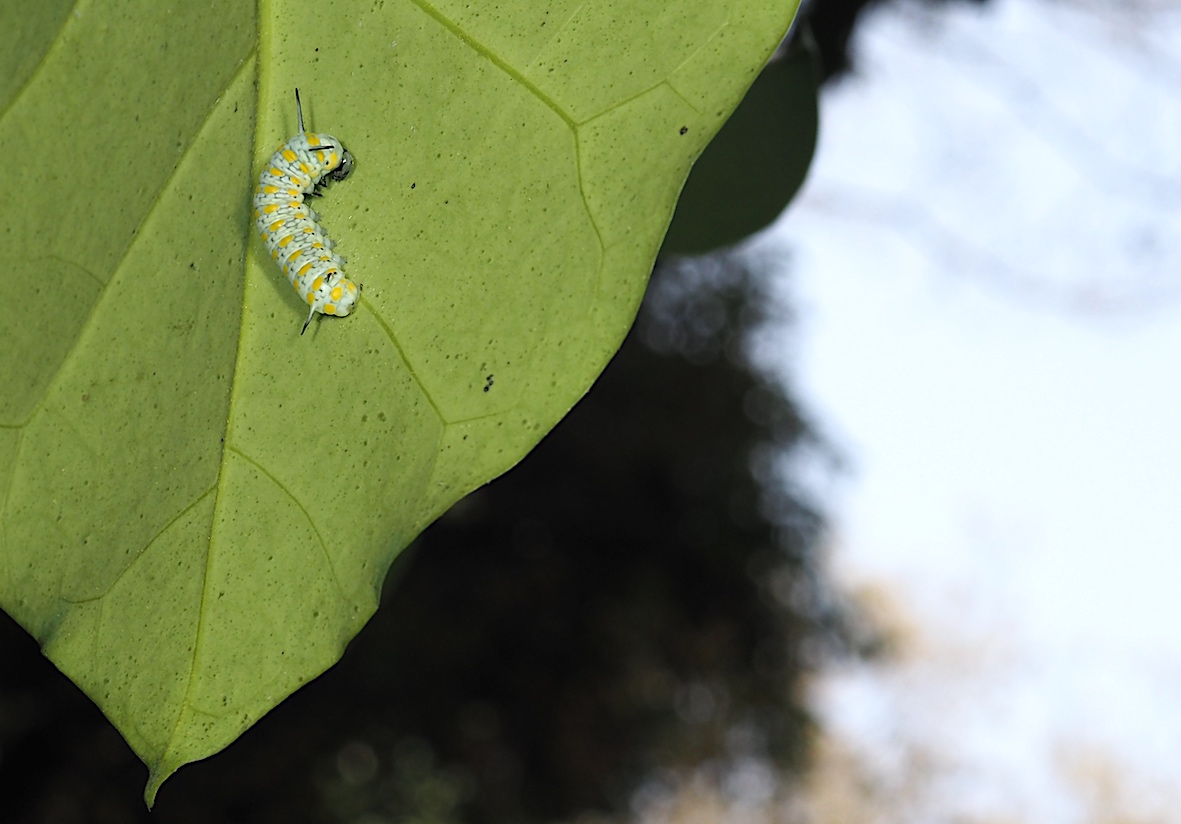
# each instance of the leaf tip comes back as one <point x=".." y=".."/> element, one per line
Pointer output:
<point x="158" y="776"/>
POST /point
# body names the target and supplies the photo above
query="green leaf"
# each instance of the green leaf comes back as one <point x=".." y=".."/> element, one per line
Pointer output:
<point x="750" y="172"/>
<point x="197" y="505"/>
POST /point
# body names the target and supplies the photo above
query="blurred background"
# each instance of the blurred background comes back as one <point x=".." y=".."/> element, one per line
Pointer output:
<point x="984" y="267"/>
<point x="870" y="520"/>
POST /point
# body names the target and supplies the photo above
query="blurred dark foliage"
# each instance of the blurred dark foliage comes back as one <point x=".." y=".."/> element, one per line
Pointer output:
<point x="637" y="594"/>
<point x="832" y="23"/>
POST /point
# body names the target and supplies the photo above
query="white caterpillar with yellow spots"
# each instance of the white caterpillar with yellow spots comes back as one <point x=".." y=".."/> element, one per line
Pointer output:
<point x="288" y="225"/>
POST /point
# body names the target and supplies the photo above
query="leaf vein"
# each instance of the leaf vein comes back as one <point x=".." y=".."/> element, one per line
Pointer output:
<point x="143" y="551"/>
<point x="409" y="366"/>
<point x="165" y="187"/>
<point x="57" y="40"/>
<point x="307" y="515"/>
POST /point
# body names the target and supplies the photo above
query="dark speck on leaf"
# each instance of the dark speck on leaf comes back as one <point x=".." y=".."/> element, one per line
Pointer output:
<point x="684" y="130"/>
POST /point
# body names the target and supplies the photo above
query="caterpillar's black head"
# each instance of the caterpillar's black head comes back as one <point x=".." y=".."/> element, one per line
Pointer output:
<point x="346" y="165"/>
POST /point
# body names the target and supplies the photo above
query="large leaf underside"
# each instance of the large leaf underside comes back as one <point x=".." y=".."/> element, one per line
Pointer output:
<point x="197" y="505"/>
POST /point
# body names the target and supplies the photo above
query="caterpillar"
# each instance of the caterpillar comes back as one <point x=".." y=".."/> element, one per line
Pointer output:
<point x="289" y="226"/>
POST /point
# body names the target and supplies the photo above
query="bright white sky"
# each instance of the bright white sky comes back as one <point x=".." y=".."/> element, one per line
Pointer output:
<point x="986" y="266"/>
